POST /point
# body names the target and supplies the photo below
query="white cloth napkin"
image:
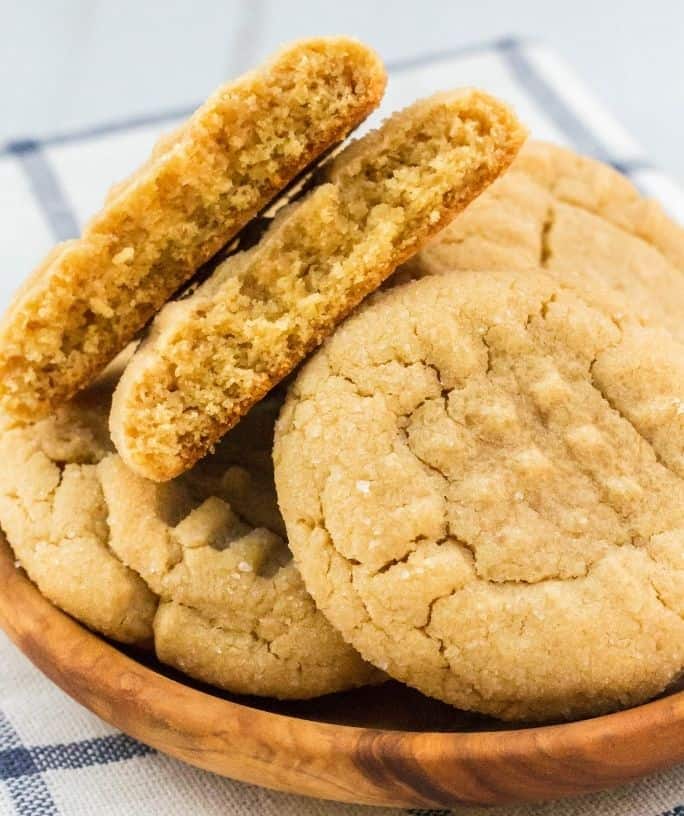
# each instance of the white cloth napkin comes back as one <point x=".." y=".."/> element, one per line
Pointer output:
<point x="57" y="759"/>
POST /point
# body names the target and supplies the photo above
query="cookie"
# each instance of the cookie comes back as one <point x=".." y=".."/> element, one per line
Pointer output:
<point x="233" y="609"/>
<point x="482" y="479"/>
<point x="54" y="515"/>
<point x="200" y="187"/>
<point x="219" y="596"/>
<point x="581" y="221"/>
<point x="213" y="355"/>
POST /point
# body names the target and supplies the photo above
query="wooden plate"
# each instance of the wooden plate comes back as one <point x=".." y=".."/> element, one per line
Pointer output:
<point x="382" y="746"/>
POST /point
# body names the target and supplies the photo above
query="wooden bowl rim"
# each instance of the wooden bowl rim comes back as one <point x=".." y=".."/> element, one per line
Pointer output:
<point x="614" y="736"/>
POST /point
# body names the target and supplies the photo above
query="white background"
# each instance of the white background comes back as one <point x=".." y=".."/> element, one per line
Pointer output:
<point x="69" y="63"/>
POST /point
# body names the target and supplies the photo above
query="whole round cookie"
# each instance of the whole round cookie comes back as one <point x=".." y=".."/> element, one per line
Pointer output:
<point x="580" y="220"/>
<point x="219" y="595"/>
<point x="233" y="609"/>
<point x="54" y="515"/>
<point x="482" y="480"/>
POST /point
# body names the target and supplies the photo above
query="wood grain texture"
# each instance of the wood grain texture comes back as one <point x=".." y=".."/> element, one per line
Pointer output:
<point x="369" y="765"/>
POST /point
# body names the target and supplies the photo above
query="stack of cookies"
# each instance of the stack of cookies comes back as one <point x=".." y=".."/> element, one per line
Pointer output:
<point x="443" y="372"/>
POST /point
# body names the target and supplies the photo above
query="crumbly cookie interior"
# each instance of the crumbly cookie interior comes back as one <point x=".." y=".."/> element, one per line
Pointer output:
<point x="214" y="354"/>
<point x="201" y="185"/>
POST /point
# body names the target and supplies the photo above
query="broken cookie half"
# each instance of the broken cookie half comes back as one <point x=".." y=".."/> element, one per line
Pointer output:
<point x="201" y="185"/>
<point x="210" y="357"/>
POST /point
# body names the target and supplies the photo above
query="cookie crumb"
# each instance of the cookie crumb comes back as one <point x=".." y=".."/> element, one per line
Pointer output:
<point x="125" y="256"/>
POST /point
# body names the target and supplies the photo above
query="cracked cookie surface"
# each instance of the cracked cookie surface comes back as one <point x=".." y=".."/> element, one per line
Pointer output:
<point x="581" y="221"/>
<point x="199" y="567"/>
<point x="482" y="480"/>
<point x="211" y="544"/>
<point x="55" y="517"/>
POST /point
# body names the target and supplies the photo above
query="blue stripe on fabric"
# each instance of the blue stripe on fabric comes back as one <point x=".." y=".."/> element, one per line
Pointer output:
<point x="678" y="810"/>
<point x="22" y="767"/>
<point x="548" y="99"/>
<point x="31" y="796"/>
<point x="629" y="167"/>
<point x="414" y="812"/>
<point x="103" y="129"/>
<point x="8" y="736"/>
<point x="27" y="789"/>
<point x="86" y="753"/>
<point x="25" y="761"/>
<point x="17" y="762"/>
<point x="46" y="188"/>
